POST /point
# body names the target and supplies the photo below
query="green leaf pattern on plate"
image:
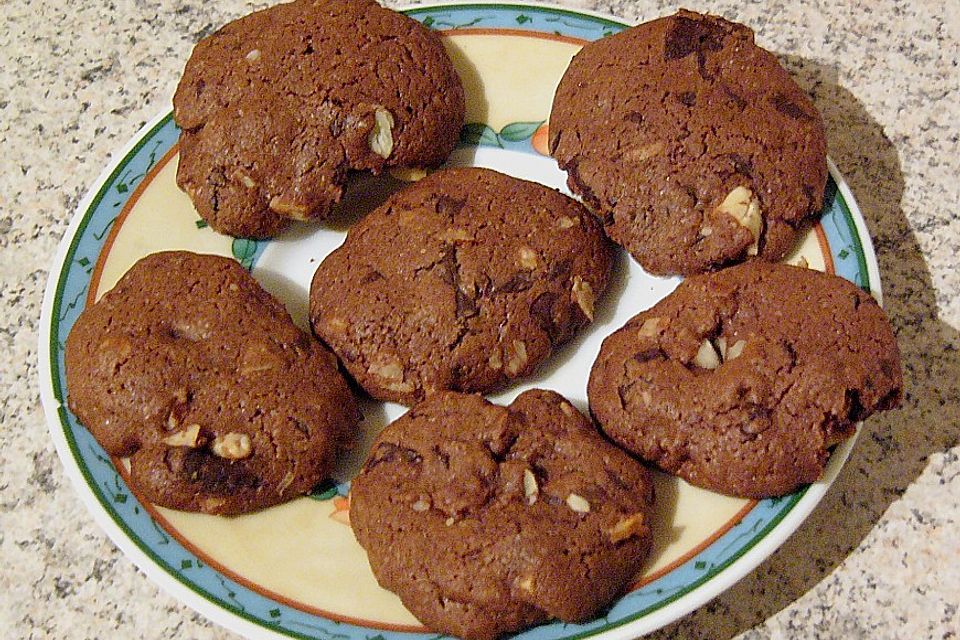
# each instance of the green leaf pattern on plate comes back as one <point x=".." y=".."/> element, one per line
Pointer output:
<point x="244" y="250"/>
<point x="328" y="489"/>
<point x="519" y="131"/>
<point x="480" y="134"/>
<point x="477" y="133"/>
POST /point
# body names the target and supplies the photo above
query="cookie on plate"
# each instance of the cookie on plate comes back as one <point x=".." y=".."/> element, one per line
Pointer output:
<point x="200" y="376"/>
<point x="486" y="519"/>
<point x="740" y="381"/>
<point x="464" y="280"/>
<point x="693" y="144"/>
<point x="278" y="107"/>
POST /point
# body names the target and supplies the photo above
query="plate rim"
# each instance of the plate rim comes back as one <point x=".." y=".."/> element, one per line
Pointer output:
<point x="196" y="598"/>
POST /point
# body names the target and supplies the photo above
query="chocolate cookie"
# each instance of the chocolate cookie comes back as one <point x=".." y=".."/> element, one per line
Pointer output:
<point x="487" y="519"/>
<point x="464" y="280"/>
<point x="741" y="380"/>
<point x="199" y="375"/>
<point x="692" y="143"/>
<point x="278" y="107"/>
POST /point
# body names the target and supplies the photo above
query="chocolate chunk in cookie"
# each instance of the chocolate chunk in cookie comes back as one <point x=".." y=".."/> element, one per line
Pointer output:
<point x="464" y="280"/>
<point x="199" y="375"/>
<point x="486" y="520"/>
<point x="278" y="107"/>
<point x="693" y="144"/>
<point x="740" y="381"/>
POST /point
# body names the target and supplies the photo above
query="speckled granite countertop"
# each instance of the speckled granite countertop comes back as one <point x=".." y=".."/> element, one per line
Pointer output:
<point x="879" y="557"/>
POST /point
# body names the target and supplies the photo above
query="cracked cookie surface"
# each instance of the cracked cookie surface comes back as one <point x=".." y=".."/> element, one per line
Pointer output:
<point x="278" y="107"/>
<point x="693" y="145"/>
<point x="486" y="519"/>
<point x="740" y="381"/>
<point x="464" y="280"/>
<point x="199" y="375"/>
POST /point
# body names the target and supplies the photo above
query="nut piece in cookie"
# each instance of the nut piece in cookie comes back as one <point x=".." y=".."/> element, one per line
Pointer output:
<point x="278" y="107"/>
<point x="199" y="375"/>
<point x="693" y="145"/>
<point x="464" y="280"/>
<point x="486" y="520"/>
<point x="740" y="381"/>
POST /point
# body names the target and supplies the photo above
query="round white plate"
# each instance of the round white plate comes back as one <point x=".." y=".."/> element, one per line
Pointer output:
<point x="296" y="570"/>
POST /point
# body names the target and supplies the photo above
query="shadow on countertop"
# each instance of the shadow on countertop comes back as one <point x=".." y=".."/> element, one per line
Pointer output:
<point x="894" y="448"/>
